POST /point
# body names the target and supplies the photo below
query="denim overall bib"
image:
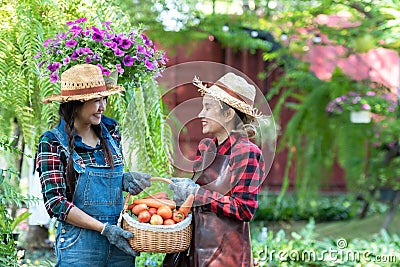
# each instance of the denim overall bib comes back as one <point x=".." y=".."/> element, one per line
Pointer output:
<point x="98" y="192"/>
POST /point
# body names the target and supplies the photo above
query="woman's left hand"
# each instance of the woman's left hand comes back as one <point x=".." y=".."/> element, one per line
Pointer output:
<point x="135" y="182"/>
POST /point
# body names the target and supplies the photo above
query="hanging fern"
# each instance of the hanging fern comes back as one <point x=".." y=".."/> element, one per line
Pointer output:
<point x="146" y="134"/>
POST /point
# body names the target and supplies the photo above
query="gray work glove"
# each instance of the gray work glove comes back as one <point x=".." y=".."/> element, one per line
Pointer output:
<point x="117" y="237"/>
<point x="182" y="188"/>
<point x="135" y="182"/>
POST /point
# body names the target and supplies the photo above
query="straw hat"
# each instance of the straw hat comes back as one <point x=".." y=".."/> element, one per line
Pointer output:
<point x="234" y="91"/>
<point x="83" y="82"/>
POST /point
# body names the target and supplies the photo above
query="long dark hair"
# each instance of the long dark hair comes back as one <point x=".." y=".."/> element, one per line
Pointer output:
<point x="68" y="112"/>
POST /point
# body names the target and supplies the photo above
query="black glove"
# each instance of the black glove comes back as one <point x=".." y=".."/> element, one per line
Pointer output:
<point x="117" y="236"/>
<point x="135" y="182"/>
<point x="182" y="188"/>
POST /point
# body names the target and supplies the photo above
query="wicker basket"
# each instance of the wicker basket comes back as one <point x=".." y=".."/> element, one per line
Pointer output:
<point x="157" y="238"/>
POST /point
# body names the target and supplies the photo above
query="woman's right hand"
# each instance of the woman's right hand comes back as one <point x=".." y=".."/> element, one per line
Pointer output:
<point x="117" y="237"/>
<point x="135" y="182"/>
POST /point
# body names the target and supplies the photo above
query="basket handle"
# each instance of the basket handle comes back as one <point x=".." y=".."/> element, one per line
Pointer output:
<point x="165" y="180"/>
<point x="127" y="197"/>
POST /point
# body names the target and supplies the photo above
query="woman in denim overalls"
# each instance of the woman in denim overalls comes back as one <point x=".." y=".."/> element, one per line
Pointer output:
<point x="80" y="164"/>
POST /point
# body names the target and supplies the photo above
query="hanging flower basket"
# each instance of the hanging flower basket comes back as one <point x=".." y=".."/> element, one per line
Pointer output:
<point x="361" y="105"/>
<point x="363" y="116"/>
<point x="129" y="55"/>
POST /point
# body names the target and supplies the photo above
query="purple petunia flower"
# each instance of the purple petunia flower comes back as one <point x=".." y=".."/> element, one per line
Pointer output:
<point x="54" y="77"/>
<point x="147" y="41"/>
<point x="370" y="93"/>
<point x="80" y="20"/>
<point x="47" y="42"/>
<point x="125" y="43"/>
<point x="149" y="65"/>
<point x="109" y="36"/>
<point x="105" y="71"/>
<point x="86" y="51"/>
<point x="96" y="57"/>
<point x="119" y="68"/>
<point x="75" y="55"/>
<point x="128" y="60"/>
<point x="88" y="59"/>
<point x="40" y="65"/>
<point x="365" y="107"/>
<point x="356" y="100"/>
<point x="111" y="45"/>
<point x="107" y="23"/>
<point x="96" y="30"/>
<point x="38" y="55"/>
<point x="118" y="52"/>
<point x="141" y="50"/>
<point x="164" y="58"/>
<point x="61" y="35"/>
<point x="98" y="37"/>
<point x="53" y="66"/>
<point x="71" y="43"/>
<point x="117" y="39"/>
<point x="76" y="30"/>
<point x="66" y="60"/>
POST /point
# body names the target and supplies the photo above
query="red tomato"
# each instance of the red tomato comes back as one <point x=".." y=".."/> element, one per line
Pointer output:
<point x="165" y="212"/>
<point x="156" y="219"/>
<point x="144" y="216"/>
<point x="178" y="216"/>
<point x="169" y="222"/>
<point x="152" y="211"/>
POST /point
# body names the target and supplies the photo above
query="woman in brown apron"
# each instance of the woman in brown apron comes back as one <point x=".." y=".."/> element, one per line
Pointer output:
<point x="228" y="173"/>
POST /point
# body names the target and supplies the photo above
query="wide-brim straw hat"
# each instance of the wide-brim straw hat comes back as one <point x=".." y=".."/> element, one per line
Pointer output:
<point x="83" y="82"/>
<point x="232" y="90"/>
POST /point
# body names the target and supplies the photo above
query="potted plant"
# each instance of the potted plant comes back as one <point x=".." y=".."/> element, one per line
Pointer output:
<point x="361" y="105"/>
<point x="130" y="55"/>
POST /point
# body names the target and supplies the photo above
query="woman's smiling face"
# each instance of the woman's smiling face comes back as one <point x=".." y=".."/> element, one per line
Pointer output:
<point x="212" y="117"/>
<point x="90" y="112"/>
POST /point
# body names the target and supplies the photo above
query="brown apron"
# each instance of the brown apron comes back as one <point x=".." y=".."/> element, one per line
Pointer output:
<point x="218" y="240"/>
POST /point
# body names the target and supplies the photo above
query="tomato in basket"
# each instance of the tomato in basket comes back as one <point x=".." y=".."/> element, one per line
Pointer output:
<point x="156" y="220"/>
<point x="152" y="211"/>
<point x="144" y="216"/>
<point x="165" y="212"/>
<point x="169" y="222"/>
<point x="178" y="216"/>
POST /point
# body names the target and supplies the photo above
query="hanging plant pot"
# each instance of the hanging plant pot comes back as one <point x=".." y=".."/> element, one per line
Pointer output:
<point x="363" y="116"/>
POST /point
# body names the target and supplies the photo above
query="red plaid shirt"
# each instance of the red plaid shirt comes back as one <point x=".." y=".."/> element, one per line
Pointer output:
<point x="247" y="167"/>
